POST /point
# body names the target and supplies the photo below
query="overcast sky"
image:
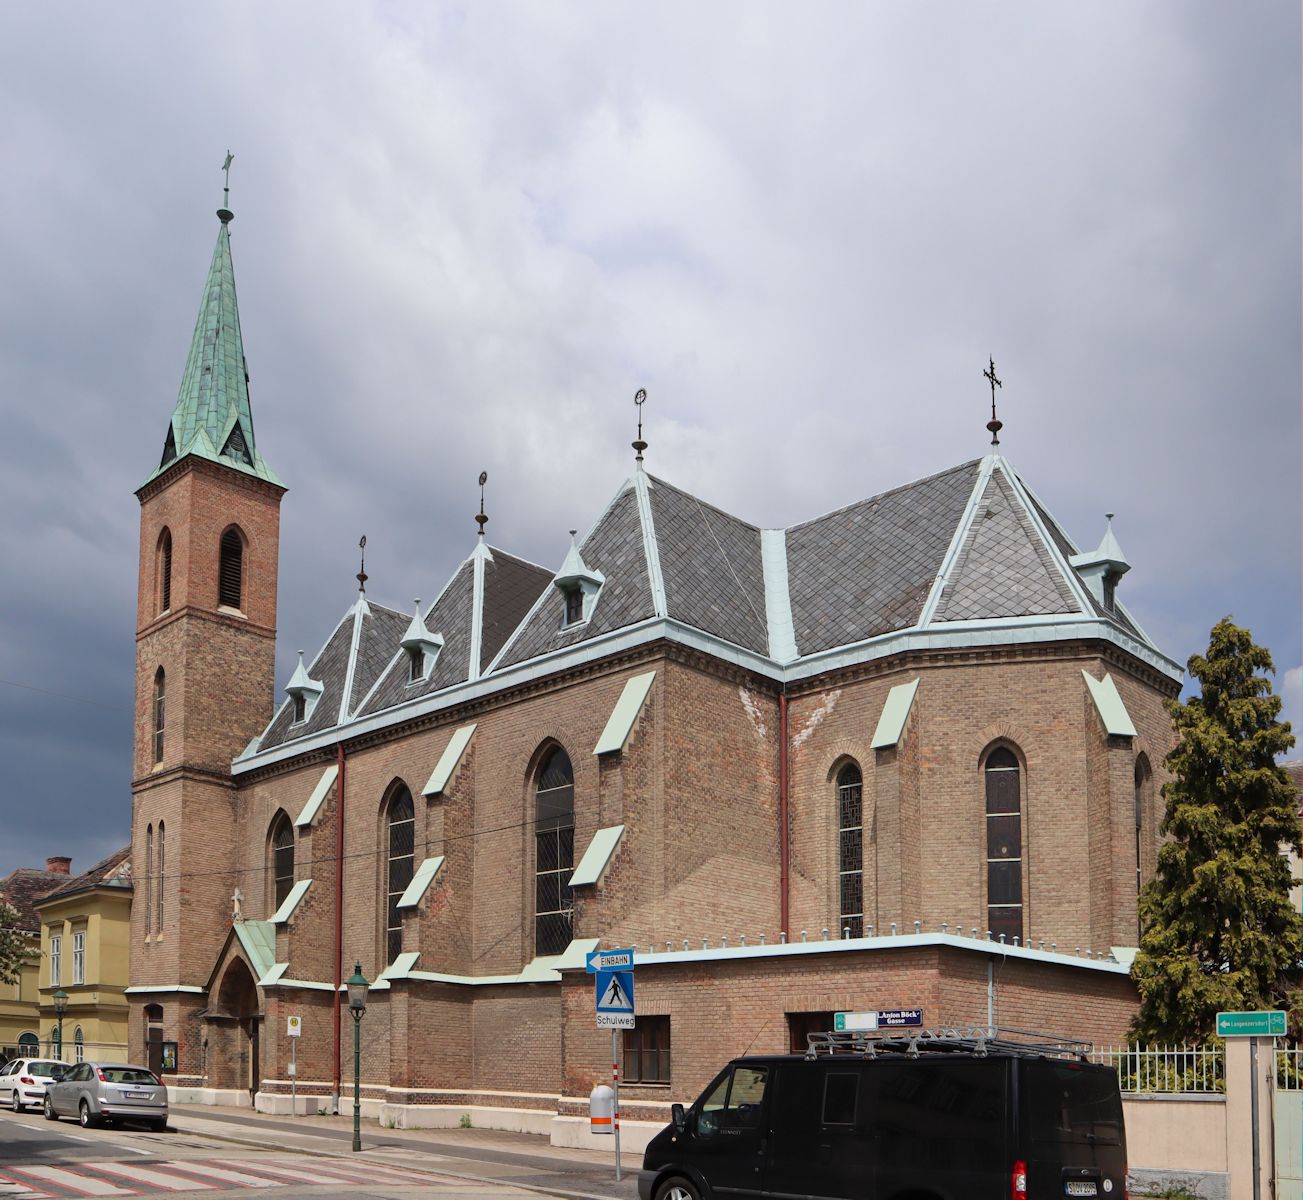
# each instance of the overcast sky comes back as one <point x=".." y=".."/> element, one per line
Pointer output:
<point x="465" y="234"/>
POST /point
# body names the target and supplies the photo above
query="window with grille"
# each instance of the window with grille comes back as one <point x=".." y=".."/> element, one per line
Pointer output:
<point x="56" y="961"/>
<point x="850" y="808"/>
<point x="415" y="664"/>
<point x="149" y="879"/>
<point x="165" y="571"/>
<point x="282" y="858"/>
<point x="647" y="1051"/>
<point x="230" y="575"/>
<point x="78" y="1045"/>
<point x="1003" y="845"/>
<point x="158" y="883"/>
<point x="160" y="712"/>
<point x="1142" y="778"/>
<point x="402" y="861"/>
<point x="300" y="709"/>
<point x="574" y="605"/>
<point x="78" y="958"/>
<point x="554" y="853"/>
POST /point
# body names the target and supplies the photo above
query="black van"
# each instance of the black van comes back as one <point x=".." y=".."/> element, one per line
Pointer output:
<point x="951" y="1114"/>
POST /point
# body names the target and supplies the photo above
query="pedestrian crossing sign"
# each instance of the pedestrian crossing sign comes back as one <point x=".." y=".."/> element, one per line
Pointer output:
<point x="614" y="995"/>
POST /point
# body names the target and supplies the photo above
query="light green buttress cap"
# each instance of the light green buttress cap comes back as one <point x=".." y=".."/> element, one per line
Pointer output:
<point x="213" y="419"/>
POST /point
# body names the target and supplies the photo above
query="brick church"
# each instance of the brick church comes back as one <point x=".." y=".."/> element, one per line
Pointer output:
<point x="904" y="754"/>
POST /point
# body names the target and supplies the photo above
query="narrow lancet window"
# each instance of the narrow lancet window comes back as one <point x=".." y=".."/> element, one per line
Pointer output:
<point x="554" y="850"/>
<point x="230" y="585"/>
<point x="850" y="809"/>
<point x="1003" y="845"/>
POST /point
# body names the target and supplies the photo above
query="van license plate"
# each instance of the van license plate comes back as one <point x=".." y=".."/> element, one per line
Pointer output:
<point x="1078" y="1187"/>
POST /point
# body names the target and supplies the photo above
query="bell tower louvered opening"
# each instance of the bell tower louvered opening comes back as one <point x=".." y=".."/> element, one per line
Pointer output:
<point x="230" y="584"/>
<point x="236" y="447"/>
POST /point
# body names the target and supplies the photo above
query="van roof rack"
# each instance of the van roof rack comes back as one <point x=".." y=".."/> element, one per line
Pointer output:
<point x="979" y="1041"/>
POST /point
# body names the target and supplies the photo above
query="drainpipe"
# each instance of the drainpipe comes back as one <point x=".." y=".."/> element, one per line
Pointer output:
<point x="784" y="850"/>
<point x="339" y="913"/>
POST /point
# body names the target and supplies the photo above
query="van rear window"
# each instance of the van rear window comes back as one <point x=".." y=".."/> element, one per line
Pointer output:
<point x="1070" y="1103"/>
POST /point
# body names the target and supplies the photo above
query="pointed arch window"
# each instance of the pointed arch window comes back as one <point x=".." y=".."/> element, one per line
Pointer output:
<point x="401" y="820"/>
<point x="1004" y="876"/>
<point x="850" y="849"/>
<point x="1141" y="786"/>
<point x="282" y="859"/>
<point x="160" y="712"/>
<point x="165" y="571"/>
<point x="230" y="575"/>
<point x="78" y="1045"/>
<point x="158" y="882"/>
<point x="554" y="853"/>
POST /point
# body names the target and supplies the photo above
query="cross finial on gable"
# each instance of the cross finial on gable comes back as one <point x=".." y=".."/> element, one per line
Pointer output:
<point x="994" y="424"/>
<point x="639" y="399"/>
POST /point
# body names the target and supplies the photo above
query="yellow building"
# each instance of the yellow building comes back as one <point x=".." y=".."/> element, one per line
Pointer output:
<point x="20" y="1016"/>
<point x="85" y="926"/>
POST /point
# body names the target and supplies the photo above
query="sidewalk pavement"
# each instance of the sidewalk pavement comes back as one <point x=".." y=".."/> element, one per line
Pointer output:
<point x="519" y="1159"/>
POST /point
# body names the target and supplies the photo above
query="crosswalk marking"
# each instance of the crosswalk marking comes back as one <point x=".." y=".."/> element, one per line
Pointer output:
<point x="13" y="1189"/>
<point x="156" y="1179"/>
<point x="83" y="1184"/>
<point x="225" y="1174"/>
<point x="296" y="1174"/>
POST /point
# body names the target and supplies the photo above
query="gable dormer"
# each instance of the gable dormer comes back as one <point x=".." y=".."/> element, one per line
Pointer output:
<point x="421" y="647"/>
<point x="304" y="691"/>
<point x="1101" y="568"/>
<point x="579" y="584"/>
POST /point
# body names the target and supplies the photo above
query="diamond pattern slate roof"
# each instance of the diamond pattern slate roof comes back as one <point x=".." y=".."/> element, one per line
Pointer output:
<point x="615" y="547"/>
<point x="1004" y="568"/>
<point x="382" y="631"/>
<point x="511" y="585"/>
<point x="866" y="569"/>
<point x="329" y="669"/>
<point x="711" y="565"/>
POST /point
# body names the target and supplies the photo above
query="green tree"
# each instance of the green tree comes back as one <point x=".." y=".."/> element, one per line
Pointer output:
<point x="14" y="944"/>
<point x="1219" y="930"/>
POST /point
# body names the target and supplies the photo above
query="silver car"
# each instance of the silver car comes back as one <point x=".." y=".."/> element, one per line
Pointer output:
<point x="23" y="1081"/>
<point x="94" y="1092"/>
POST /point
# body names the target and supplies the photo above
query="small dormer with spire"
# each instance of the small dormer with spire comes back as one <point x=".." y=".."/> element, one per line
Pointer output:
<point x="579" y="584"/>
<point x="1101" y="568"/>
<point x="421" y="646"/>
<point x="304" y="691"/>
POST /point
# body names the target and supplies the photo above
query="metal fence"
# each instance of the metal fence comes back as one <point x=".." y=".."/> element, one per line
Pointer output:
<point x="1188" y="1070"/>
<point x="1289" y="1070"/>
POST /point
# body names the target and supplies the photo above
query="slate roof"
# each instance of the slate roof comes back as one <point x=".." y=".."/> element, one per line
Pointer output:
<point x="1004" y="568"/>
<point x="615" y="547"/>
<point x="867" y="569"/>
<point x="113" y="871"/>
<point x="26" y="885"/>
<point x="858" y="573"/>
<point x="711" y="564"/>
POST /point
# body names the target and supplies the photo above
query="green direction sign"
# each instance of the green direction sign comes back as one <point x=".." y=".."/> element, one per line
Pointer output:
<point x="1251" y="1024"/>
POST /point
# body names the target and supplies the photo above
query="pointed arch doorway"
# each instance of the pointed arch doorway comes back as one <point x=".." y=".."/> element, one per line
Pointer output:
<point x="235" y="1022"/>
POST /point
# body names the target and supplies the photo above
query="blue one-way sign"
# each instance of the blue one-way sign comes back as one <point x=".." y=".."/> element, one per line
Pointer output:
<point x="614" y="995"/>
<point x="608" y="960"/>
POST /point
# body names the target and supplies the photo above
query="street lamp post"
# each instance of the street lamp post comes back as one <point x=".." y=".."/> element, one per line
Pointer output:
<point x="60" y="1007"/>
<point x="357" y="989"/>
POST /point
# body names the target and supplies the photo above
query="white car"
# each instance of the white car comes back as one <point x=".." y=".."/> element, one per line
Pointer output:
<point x="24" y="1080"/>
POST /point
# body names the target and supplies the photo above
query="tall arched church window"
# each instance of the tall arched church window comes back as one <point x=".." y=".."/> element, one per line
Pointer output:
<point x="402" y="854"/>
<point x="850" y="849"/>
<point x="1142" y="779"/>
<point x="165" y="571"/>
<point x="230" y="575"/>
<point x="149" y="879"/>
<point x="1003" y="845"/>
<point x="282" y="859"/>
<point x="160" y="712"/>
<point x="158" y="881"/>
<point x="554" y="853"/>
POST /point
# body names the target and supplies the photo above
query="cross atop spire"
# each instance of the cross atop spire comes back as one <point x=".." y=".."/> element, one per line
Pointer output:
<point x="994" y="424"/>
<point x="213" y="418"/>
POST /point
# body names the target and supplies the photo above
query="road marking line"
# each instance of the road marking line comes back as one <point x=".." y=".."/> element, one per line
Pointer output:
<point x="28" y="1190"/>
<point x="84" y="1184"/>
<point x="205" y="1170"/>
<point x="154" y="1178"/>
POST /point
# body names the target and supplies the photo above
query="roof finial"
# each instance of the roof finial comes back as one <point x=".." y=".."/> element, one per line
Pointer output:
<point x="224" y="214"/>
<point x="481" y="519"/>
<point x="639" y="399"/>
<point x="994" y="424"/>
<point x="361" y="574"/>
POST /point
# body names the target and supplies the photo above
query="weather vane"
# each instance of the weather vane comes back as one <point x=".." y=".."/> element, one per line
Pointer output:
<point x="639" y="399"/>
<point x="361" y="575"/>
<point x="481" y="518"/>
<point x="994" y="424"/>
<point x="224" y="213"/>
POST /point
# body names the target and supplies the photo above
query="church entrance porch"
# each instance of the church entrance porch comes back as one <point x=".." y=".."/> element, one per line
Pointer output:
<point x="234" y="1023"/>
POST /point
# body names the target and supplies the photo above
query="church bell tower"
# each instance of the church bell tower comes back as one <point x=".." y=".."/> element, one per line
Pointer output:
<point x="205" y="671"/>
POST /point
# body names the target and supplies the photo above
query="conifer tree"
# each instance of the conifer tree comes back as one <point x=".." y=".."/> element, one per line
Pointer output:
<point x="1219" y="930"/>
<point x="14" y="944"/>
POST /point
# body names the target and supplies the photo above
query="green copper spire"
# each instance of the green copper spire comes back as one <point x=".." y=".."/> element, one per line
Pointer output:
<point x="213" y="418"/>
